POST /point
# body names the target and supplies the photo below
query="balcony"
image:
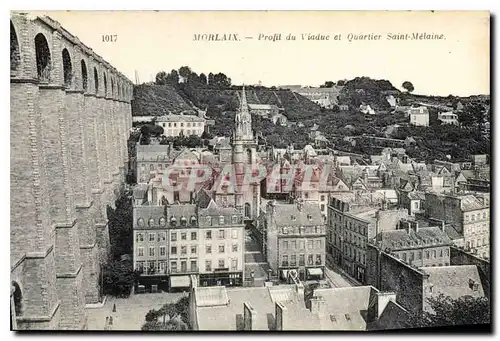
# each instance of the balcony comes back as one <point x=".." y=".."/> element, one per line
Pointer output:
<point x="183" y="270"/>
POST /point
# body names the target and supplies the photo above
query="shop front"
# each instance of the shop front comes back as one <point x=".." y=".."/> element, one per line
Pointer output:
<point x="221" y="278"/>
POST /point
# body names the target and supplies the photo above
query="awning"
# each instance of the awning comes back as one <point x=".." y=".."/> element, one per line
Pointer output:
<point x="180" y="282"/>
<point x="315" y="272"/>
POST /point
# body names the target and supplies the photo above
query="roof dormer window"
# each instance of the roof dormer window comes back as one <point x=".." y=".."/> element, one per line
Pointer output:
<point x="173" y="221"/>
<point x="294" y="218"/>
<point x="183" y="221"/>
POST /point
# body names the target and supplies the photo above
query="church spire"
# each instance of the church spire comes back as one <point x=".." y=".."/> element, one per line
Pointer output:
<point x="243" y="119"/>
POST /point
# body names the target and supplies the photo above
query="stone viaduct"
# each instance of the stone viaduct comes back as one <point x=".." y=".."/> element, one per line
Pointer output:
<point x="69" y="122"/>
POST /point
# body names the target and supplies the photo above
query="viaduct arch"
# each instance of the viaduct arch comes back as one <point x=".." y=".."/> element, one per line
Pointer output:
<point x="69" y="131"/>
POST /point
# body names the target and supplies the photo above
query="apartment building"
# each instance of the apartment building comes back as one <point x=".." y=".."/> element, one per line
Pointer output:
<point x="293" y="237"/>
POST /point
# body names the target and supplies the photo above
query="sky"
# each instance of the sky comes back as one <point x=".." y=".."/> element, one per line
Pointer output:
<point x="151" y="41"/>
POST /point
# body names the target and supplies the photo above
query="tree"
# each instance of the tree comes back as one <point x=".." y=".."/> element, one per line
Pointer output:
<point x="184" y="71"/>
<point x="328" y="84"/>
<point x="446" y="311"/>
<point x="174" y="316"/>
<point x="173" y="78"/>
<point x="408" y="86"/>
<point x="203" y="80"/>
<point x="161" y="78"/>
<point x="341" y="82"/>
<point x="119" y="278"/>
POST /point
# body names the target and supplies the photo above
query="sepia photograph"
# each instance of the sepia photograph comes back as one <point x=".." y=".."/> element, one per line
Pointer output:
<point x="185" y="171"/>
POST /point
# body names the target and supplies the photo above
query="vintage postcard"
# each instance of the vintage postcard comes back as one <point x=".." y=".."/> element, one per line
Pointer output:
<point x="250" y="170"/>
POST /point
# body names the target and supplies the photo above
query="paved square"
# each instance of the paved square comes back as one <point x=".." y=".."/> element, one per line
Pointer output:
<point x="130" y="312"/>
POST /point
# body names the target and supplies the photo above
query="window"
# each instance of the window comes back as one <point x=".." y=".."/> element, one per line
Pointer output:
<point x="293" y="244"/>
<point x="194" y="235"/>
<point x="235" y="248"/>
<point x="322" y="198"/>
<point x="208" y="265"/>
<point x="301" y="260"/>
<point x="285" y="245"/>
<point x="284" y="261"/>
<point x="318" y="244"/>
<point x="183" y="249"/>
<point x="140" y="251"/>
<point x="221" y="234"/>
<point x="152" y="237"/>
<point x="309" y="259"/>
<point x="151" y="251"/>
<point x="302" y="244"/>
<point x="151" y="167"/>
<point x="419" y="255"/>
<point x="183" y="235"/>
<point x="404" y="256"/>
<point x="221" y="220"/>
<point x="173" y="250"/>
<point x="310" y="244"/>
<point x="209" y="221"/>
<point x="322" y="207"/>
<point x="162" y="236"/>
<point x="234" y="233"/>
<point x="173" y="266"/>
<point x="441" y="253"/>
<point x="221" y="248"/>
<point x="318" y="259"/>
<point x="222" y="263"/>
<point x="193" y="249"/>
<point x="234" y="219"/>
<point x="433" y="253"/>
<point x="163" y="250"/>
<point x="139" y="237"/>
<point x="208" y="234"/>
<point x="173" y="237"/>
<point x="293" y="260"/>
<point x="194" y="266"/>
<point x="234" y="263"/>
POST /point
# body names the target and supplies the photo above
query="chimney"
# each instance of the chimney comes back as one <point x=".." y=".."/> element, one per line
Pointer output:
<point x="383" y="298"/>
<point x="281" y="316"/>
<point x="318" y="305"/>
<point x="249" y="317"/>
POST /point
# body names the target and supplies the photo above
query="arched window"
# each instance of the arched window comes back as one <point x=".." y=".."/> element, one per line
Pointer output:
<point x="43" y="61"/>
<point x="173" y="221"/>
<point x="151" y="222"/>
<point x="140" y="222"/>
<point x="15" y="56"/>
<point x="247" y="210"/>
<point x="193" y="220"/>
<point x="67" y="68"/>
<point x="96" y="81"/>
<point x="162" y="221"/>
<point x="84" y="76"/>
<point x="18" y="298"/>
<point x="112" y="87"/>
<point x="249" y="156"/>
<point x="105" y="84"/>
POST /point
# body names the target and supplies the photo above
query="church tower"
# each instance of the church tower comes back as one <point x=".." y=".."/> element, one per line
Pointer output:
<point x="247" y="196"/>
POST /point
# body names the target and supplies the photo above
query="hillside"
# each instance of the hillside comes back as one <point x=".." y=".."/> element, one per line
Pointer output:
<point x="221" y="99"/>
<point x="153" y="100"/>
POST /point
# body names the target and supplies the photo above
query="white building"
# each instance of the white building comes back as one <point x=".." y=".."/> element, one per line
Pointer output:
<point x="419" y="116"/>
<point x="448" y="118"/>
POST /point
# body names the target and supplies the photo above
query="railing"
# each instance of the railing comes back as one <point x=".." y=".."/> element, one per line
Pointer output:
<point x="183" y="270"/>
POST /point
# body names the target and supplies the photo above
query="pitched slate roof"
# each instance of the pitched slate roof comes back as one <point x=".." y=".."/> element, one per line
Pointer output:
<point x="148" y="212"/>
<point x="284" y="213"/>
<point x="222" y="308"/>
<point x="404" y="239"/>
<point x="454" y="281"/>
<point x="470" y="203"/>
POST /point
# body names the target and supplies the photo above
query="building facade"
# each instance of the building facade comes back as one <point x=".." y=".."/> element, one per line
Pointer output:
<point x="183" y="245"/>
<point x="293" y="237"/>
<point x="419" y="116"/>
